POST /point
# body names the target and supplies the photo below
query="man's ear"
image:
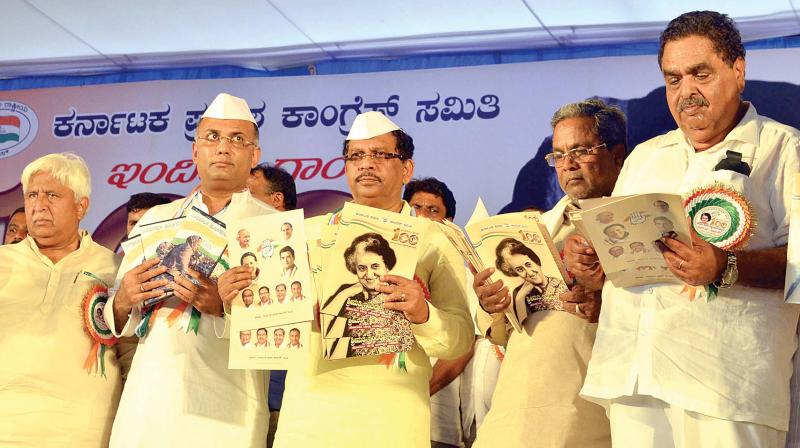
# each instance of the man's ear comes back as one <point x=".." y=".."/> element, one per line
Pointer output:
<point x="278" y="201"/>
<point x="83" y="207"/>
<point x="408" y="171"/>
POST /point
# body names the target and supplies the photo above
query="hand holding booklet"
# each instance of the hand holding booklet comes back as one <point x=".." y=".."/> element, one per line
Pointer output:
<point x="520" y="248"/>
<point x="623" y="231"/>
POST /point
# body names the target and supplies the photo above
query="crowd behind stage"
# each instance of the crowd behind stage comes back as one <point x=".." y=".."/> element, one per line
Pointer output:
<point x="706" y="362"/>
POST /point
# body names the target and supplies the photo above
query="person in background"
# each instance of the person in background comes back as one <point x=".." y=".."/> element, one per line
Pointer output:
<point x="16" y="229"/>
<point x="139" y="204"/>
<point x="274" y="186"/>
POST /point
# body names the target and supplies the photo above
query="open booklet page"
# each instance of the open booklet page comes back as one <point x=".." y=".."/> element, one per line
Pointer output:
<point x="273" y="314"/>
<point x="623" y="231"/>
<point x="519" y="247"/>
<point x="369" y="243"/>
<point x="792" y="287"/>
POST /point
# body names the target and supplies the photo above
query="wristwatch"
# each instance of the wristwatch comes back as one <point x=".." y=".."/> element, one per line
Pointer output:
<point x="730" y="274"/>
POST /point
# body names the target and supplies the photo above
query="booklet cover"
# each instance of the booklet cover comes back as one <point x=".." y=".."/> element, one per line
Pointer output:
<point x="623" y="231"/>
<point x="792" y="287"/>
<point x="157" y="242"/>
<point x="369" y="243"/>
<point x="520" y="248"/>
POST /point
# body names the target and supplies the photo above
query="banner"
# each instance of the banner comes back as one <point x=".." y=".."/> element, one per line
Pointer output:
<point x="482" y="130"/>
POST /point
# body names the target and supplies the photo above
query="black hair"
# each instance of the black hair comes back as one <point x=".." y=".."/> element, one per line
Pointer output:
<point x="435" y="187"/>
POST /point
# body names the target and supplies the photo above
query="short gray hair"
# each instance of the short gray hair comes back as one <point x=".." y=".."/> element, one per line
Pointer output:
<point x="609" y="121"/>
<point x="66" y="167"/>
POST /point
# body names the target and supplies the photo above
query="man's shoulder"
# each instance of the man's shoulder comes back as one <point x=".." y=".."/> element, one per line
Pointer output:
<point x="660" y="141"/>
<point x="770" y="126"/>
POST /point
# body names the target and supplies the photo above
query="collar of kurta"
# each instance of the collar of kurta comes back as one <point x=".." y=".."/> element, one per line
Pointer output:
<point x="83" y="235"/>
<point x="746" y="131"/>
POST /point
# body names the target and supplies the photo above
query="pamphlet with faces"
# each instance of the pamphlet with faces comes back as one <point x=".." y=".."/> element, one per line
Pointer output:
<point x="369" y="243"/>
<point x="623" y="231"/>
<point x="280" y="301"/>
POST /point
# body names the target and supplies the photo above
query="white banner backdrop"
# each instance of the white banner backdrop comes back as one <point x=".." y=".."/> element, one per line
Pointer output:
<point x="474" y="128"/>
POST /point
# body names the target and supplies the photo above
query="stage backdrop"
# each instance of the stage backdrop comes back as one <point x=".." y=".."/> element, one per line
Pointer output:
<point x="483" y="130"/>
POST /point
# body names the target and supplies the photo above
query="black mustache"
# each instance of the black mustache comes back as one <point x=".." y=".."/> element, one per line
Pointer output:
<point x="368" y="175"/>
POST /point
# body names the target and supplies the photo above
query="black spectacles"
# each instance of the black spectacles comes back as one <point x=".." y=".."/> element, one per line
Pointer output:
<point x="579" y="154"/>
<point x="376" y="156"/>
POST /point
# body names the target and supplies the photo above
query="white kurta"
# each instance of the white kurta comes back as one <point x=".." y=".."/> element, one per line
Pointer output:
<point x="731" y="357"/>
<point x="179" y="391"/>
<point x="47" y="399"/>
<point x="536" y="402"/>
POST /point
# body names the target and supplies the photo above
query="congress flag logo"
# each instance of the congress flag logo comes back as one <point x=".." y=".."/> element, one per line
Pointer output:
<point x="18" y="127"/>
<point x="9" y="128"/>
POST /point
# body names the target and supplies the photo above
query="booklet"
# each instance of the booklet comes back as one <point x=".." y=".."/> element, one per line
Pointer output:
<point x="520" y="248"/>
<point x="792" y="287"/>
<point x="132" y="247"/>
<point x="623" y="231"/>
<point x="157" y="242"/>
<point x="369" y="243"/>
<point x="282" y="294"/>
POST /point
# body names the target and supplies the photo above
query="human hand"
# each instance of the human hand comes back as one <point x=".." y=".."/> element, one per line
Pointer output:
<point x="406" y="296"/>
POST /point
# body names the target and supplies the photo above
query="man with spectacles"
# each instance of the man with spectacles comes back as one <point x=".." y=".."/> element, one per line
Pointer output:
<point x="369" y="401"/>
<point x="179" y="391"/>
<point x="536" y="401"/>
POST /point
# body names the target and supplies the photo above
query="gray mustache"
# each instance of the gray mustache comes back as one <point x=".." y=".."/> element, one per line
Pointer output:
<point x="692" y="101"/>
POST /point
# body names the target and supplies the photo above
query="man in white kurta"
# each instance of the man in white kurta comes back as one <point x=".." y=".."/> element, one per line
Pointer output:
<point x="673" y="371"/>
<point x="48" y="397"/>
<point x="536" y="402"/>
<point x="359" y="401"/>
<point x="179" y="391"/>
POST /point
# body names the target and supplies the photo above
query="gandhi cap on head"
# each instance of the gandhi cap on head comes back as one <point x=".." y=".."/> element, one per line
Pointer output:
<point x="229" y="107"/>
<point x="370" y="124"/>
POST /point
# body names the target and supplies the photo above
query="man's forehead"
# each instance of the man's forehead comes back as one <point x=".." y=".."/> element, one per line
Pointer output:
<point x="426" y="198"/>
<point x="226" y="126"/>
<point x="574" y="132"/>
<point x="688" y="53"/>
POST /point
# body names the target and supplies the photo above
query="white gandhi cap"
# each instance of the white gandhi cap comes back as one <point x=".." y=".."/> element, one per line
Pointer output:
<point x="229" y="107"/>
<point x="370" y="124"/>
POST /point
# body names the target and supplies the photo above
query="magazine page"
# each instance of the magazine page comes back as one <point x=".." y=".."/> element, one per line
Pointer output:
<point x="623" y="233"/>
<point x="198" y="244"/>
<point x="282" y="296"/>
<point x="370" y="243"/>
<point x="516" y="245"/>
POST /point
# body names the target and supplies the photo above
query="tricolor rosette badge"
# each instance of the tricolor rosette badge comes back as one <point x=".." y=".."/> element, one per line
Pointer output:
<point x="94" y="302"/>
<point x="720" y="216"/>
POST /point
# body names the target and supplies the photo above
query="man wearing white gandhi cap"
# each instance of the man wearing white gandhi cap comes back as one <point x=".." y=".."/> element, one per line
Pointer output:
<point x="359" y="401"/>
<point x="179" y="391"/>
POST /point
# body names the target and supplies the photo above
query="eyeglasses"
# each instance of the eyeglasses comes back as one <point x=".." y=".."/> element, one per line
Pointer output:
<point x="378" y="157"/>
<point x="214" y="139"/>
<point x="579" y="154"/>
